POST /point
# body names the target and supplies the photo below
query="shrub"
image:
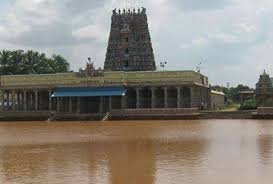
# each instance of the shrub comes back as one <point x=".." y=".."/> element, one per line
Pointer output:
<point x="249" y="104"/>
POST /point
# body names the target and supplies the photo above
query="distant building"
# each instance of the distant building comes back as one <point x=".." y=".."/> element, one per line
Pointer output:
<point x="264" y="91"/>
<point x="217" y="99"/>
<point x="246" y="94"/>
<point x="129" y="45"/>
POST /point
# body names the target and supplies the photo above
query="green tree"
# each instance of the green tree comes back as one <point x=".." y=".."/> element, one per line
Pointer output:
<point x="4" y="60"/>
<point x="233" y="93"/>
<point x="59" y="64"/>
<point x="19" y="62"/>
<point x="249" y="104"/>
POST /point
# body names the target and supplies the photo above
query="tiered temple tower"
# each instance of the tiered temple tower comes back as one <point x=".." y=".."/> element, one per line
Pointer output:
<point x="264" y="91"/>
<point x="129" y="46"/>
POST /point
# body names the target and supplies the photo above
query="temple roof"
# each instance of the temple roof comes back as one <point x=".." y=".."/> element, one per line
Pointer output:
<point x="217" y="93"/>
<point x="107" y="79"/>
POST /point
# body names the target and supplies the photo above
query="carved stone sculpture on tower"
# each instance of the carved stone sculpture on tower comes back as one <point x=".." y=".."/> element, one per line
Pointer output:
<point x="129" y="45"/>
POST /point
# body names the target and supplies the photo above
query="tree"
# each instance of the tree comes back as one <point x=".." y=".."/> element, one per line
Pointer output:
<point x="59" y="64"/>
<point x="233" y="93"/>
<point x="19" y="62"/>
<point x="249" y="104"/>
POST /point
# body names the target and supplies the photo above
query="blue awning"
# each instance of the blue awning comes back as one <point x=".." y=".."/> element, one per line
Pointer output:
<point x="89" y="92"/>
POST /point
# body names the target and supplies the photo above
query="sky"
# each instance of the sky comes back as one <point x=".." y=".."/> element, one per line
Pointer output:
<point x="233" y="39"/>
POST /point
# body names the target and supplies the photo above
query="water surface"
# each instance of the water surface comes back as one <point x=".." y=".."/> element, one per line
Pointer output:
<point x="151" y="152"/>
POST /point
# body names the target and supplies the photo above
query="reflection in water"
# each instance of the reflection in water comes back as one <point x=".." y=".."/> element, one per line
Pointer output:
<point x="134" y="162"/>
<point x="265" y="143"/>
<point x="152" y="152"/>
<point x="181" y="160"/>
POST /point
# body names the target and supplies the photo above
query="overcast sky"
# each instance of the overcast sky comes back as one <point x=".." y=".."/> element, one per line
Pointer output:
<point x="232" y="38"/>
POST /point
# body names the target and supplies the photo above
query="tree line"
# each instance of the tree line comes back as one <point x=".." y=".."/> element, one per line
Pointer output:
<point x="233" y="93"/>
<point x="19" y="62"/>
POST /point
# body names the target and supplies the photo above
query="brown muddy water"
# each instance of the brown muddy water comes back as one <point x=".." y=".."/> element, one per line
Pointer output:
<point x="137" y="152"/>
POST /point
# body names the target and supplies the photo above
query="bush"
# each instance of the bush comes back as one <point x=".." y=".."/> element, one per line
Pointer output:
<point x="249" y="104"/>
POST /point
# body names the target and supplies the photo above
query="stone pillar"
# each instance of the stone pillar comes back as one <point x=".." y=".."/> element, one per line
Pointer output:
<point x="29" y="101"/>
<point x="25" y="100"/>
<point x="182" y="97"/>
<point x="101" y="105"/>
<point x="18" y="100"/>
<point x="36" y="100"/>
<point x="110" y="103"/>
<point x="137" y="98"/>
<point x="166" y="97"/>
<point x="192" y="97"/>
<point x="49" y="100"/>
<point x="2" y="100"/>
<point x="41" y="101"/>
<point x="78" y="105"/>
<point x="153" y="98"/>
<point x="178" y="97"/>
<point x="13" y="100"/>
<point x="8" y="100"/>
<point x="70" y="105"/>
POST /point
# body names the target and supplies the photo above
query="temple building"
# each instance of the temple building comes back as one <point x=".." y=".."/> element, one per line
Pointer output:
<point x="129" y="80"/>
<point x="76" y="93"/>
<point x="264" y="91"/>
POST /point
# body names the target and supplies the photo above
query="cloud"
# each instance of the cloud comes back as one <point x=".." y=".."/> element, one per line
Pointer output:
<point x="227" y="35"/>
<point x="47" y="22"/>
<point x="196" y="42"/>
<point x="197" y="5"/>
<point x="93" y="32"/>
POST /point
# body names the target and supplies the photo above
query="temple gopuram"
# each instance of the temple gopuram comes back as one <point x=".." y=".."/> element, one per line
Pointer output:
<point x="264" y="91"/>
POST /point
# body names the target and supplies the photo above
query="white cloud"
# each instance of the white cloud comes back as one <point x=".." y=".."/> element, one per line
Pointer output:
<point x="196" y="42"/>
<point x="227" y="38"/>
<point x="94" y="32"/>
<point x="229" y="34"/>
